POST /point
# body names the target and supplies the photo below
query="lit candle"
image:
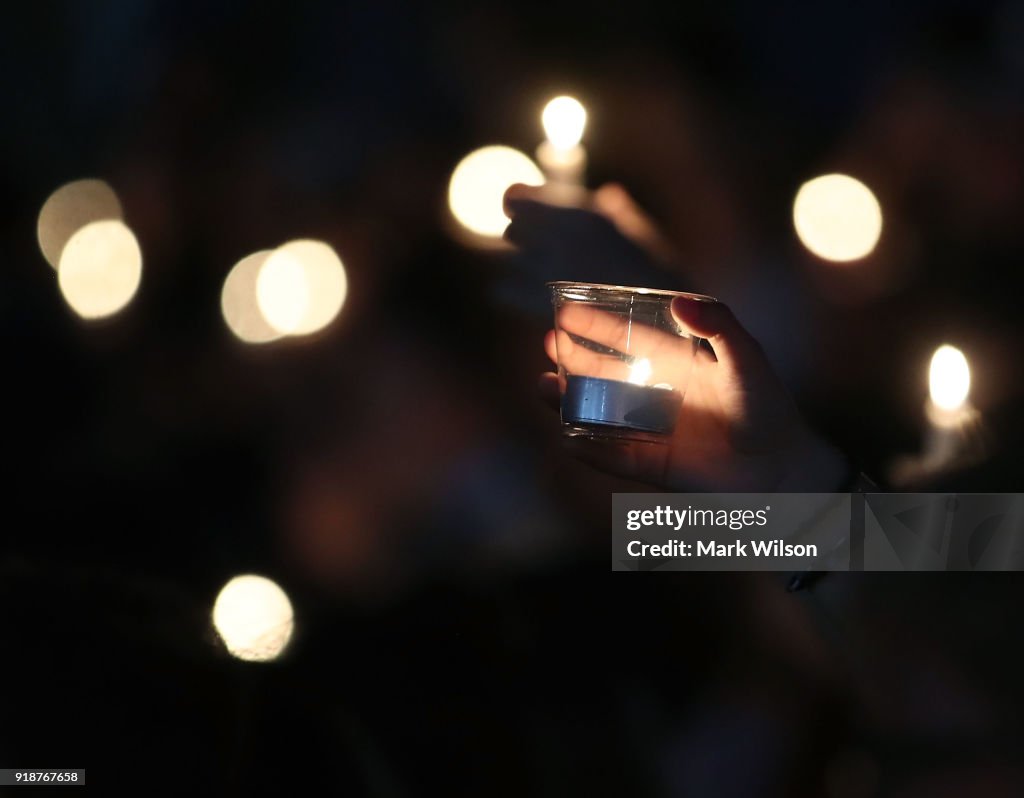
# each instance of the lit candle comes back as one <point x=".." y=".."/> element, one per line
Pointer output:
<point x="623" y="359"/>
<point x="950" y="415"/>
<point x="630" y="405"/>
<point x="561" y="156"/>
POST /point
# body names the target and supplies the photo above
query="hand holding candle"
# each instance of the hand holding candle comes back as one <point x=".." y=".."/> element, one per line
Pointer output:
<point x="625" y="360"/>
<point x="737" y="428"/>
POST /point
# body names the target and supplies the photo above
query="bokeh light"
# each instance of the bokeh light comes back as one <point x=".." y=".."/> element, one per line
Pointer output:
<point x="282" y="292"/>
<point x="100" y="269"/>
<point x="298" y="289"/>
<point x="326" y="283"/>
<point x="254" y="618"/>
<point x="564" y="119"/>
<point x="238" y="302"/>
<point x="837" y="218"/>
<point x="479" y="183"/>
<point x="949" y="378"/>
<point x="70" y="208"/>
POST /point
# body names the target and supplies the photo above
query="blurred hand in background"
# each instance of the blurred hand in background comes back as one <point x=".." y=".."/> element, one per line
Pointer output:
<point x="603" y="234"/>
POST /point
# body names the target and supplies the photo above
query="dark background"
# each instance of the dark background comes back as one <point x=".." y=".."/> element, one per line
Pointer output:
<point x="457" y="629"/>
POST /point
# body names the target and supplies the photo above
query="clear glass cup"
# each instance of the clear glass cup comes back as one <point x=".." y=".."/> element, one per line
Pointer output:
<point x="623" y="360"/>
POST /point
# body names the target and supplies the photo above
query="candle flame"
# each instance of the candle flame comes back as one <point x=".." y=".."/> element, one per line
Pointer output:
<point x="640" y="372"/>
<point x="100" y="269"/>
<point x="478" y="185"/>
<point x="837" y="218"/>
<point x="949" y="378"/>
<point x="563" y="119"/>
<point x="326" y="282"/>
<point x="282" y="292"/>
<point x="254" y="618"/>
<point x="70" y="208"/>
<point x="238" y="304"/>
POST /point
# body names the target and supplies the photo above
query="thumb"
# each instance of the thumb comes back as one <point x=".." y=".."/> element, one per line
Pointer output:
<point x="520" y="192"/>
<point x="708" y="318"/>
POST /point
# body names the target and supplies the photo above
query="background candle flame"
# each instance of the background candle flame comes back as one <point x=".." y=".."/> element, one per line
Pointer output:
<point x="282" y="292"/>
<point x="254" y="618"/>
<point x="70" y="208"/>
<point x="238" y="303"/>
<point x="478" y="185"/>
<point x="949" y="378"/>
<point x="564" y="119"/>
<point x="837" y="218"/>
<point x="100" y="269"/>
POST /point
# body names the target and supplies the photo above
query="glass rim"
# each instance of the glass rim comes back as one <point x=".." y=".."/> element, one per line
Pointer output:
<point x="573" y="284"/>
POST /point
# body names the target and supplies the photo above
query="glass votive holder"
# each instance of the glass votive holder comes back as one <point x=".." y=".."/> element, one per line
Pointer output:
<point x="624" y="362"/>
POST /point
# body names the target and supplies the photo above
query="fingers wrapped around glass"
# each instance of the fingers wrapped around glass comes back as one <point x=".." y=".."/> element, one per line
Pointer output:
<point x="624" y="361"/>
